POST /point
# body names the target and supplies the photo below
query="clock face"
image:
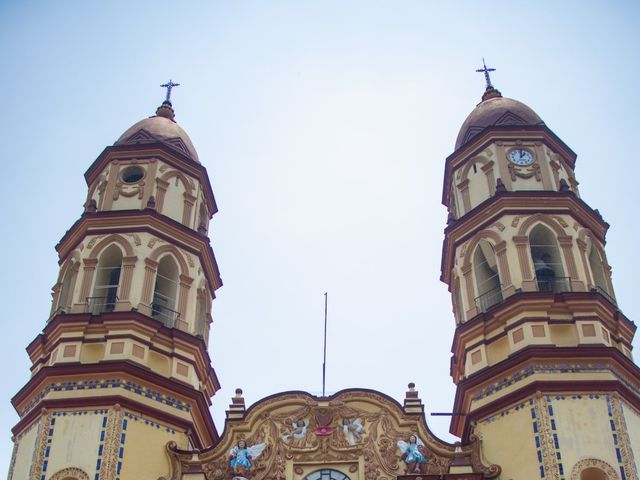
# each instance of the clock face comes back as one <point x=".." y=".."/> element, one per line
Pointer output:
<point x="520" y="156"/>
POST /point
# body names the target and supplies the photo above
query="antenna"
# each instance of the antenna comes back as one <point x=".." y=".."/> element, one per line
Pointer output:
<point x="324" y="360"/>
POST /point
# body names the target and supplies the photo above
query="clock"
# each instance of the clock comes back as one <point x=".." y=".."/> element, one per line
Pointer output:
<point x="520" y="156"/>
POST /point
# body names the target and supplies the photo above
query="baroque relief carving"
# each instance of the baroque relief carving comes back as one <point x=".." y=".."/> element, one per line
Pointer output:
<point x="593" y="463"/>
<point x="111" y="442"/>
<point x="71" y="472"/>
<point x="297" y="429"/>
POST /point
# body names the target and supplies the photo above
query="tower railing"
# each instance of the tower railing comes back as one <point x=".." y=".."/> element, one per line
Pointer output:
<point x="554" y="284"/>
<point x="98" y="305"/>
<point x="489" y="299"/>
<point x="605" y="294"/>
<point x="160" y="311"/>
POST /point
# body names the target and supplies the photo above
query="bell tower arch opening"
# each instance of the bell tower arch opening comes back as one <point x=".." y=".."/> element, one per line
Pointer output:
<point x="547" y="260"/>
<point x="105" y="289"/>
<point x="485" y="266"/>
<point x="165" y="291"/>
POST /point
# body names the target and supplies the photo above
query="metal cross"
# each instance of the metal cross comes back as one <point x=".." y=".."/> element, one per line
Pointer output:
<point x="486" y="71"/>
<point x="169" y="85"/>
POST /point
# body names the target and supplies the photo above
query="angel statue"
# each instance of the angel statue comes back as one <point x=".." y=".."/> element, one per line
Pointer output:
<point x="241" y="456"/>
<point x="297" y="434"/>
<point x="353" y="430"/>
<point x="413" y="455"/>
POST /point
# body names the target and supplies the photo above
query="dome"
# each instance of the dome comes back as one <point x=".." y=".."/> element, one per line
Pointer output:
<point x="496" y="110"/>
<point x="160" y="128"/>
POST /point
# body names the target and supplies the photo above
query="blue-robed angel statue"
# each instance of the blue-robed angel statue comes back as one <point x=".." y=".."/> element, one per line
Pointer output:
<point x="413" y="455"/>
<point x="241" y="456"/>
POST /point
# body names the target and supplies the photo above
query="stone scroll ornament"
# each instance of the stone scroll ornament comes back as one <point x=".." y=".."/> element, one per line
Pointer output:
<point x="413" y="455"/>
<point x="241" y="459"/>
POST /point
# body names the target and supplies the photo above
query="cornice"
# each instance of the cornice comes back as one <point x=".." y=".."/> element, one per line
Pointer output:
<point x="143" y="151"/>
<point x="149" y="221"/>
<point x="133" y="320"/>
<point x="85" y="371"/>
<point x="461" y="425"/>
<point x="516" y="203"/>
<point x="519" y="302"/>
<point x="505" y="133"/>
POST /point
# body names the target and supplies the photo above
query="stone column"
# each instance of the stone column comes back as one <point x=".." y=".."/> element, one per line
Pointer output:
<point x="150" y="269"/>
<point x="88" y="272"/>
<point x="582" y="247"/>
<point x="566" y="243"/>
<point x="491" y="179"/>
<point x="467" y="272"/>
<point x="185" y="286"/>
<point x="464" y="191"/>
<point x="524" y="259"/>
<point x="503" y="267"/>
<point x="128" y="265"/>
<point x="161" y="190"/>
<point x="189" y="201"/>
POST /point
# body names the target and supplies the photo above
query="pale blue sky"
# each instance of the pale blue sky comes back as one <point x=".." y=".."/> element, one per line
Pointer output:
<point x="324" y="127"/>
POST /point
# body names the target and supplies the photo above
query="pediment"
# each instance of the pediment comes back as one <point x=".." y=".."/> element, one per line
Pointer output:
<point x="510" y="118"/>
<point x="361" y="433"/>
<point x="142" y="136"/>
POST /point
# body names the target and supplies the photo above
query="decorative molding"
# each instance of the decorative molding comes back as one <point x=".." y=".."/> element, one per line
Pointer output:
<point x="621" y="439"/>
<point x="608" y="470"/>
<point x="45" y="430"/>
<point x="112" y="429"/>
<point x="70" y="472"/>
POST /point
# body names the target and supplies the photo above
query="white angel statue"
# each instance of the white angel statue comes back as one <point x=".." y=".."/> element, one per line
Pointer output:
<point x="413" y="454"/>
<point x="241" y="456"/>
<point x="298" y="432"/>
<point x="353" y="430"/>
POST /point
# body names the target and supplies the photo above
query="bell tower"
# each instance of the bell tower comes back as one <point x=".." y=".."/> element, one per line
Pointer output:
<point x="121" y="367"/>
<point x="541" y="352"/>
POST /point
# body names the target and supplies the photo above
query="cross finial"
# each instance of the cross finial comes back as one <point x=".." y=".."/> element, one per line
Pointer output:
<point x="486" y="71"/>
<point x="169" y="85"/>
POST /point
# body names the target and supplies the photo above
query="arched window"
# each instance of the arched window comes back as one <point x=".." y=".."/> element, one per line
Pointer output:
<point x="326" y="474"/>
<point x="593" y="473"/>
<point x="65" y="297"/>
<point x="485" y="268"/>
<point x="458" y="308"/>
<point x="597" y="270"/>
<point x="165" y="293"/>
<point x="547" y="261"/>
<point x="105" y="290"/>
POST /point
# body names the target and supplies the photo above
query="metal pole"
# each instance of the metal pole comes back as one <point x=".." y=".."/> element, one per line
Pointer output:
<point x="324" y="359"/>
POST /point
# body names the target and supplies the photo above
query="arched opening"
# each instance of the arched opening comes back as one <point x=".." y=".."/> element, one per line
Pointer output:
<point x="65" y="297"/>
<point x="547" y="261"/>
<point x="596" y="264"/>
<point x="593" y="473"/>
<point x="105" y="290"/>
<point x="201" y="316"/>
<point x="485" y="267"/>
<point x="165" y="292"/>
<point x="202" y="218"/>
<point x="326" y="474"/>
<point x="458" y="308"/>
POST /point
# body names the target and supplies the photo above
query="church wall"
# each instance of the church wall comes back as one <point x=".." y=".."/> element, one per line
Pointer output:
<point x="507" y="440"/>
<point x="145" y="440"/>
<point x="632" y="421"/>
<point x="584" y="430"/>
<point x="76" y="440"/>
<point x="173" y="205"/>
<point x="24" y="452"/>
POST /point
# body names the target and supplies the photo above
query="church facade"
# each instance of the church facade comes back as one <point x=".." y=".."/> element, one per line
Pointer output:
<point x="121" y="378"/>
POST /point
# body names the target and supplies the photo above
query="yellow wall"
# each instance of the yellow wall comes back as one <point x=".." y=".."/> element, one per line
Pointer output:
<point x="75" y="441"/>
<point x="26" y="445"/>
<point x="632" y="419"/>
<point x="509" y="442"/>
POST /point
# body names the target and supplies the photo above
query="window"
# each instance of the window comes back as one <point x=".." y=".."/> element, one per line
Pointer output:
<point x="597" y="270"/>
<point x="485" y="268"/>
<point x="547" y="261"/>
<point x="132" y="174"/>
<point x="105" y="290"/>
<point x="326" y="474"/>
<point x="163" y="306"/>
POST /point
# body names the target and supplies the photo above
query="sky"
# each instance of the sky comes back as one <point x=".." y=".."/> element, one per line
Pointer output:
<point x="324" y="126"/>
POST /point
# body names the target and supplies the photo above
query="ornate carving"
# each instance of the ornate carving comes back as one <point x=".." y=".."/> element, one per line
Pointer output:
<point x="93" y="241"/>
<point x="547" y="446"/>
<point x="623" y="437"/>
<point x="71" y="472"/>
<point x="152" y="242"/>
<point x="41" y="446"/>
<point x="515" y="221"/>
<point x="136" y="239"/>
<point x="113" y="430"/>
<point x="525" y="172"/>
<point x="274" y="420"/>
<point x="561" y="221"/>
<point x="593" y="463"/>
<point x="499" y="226"/>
